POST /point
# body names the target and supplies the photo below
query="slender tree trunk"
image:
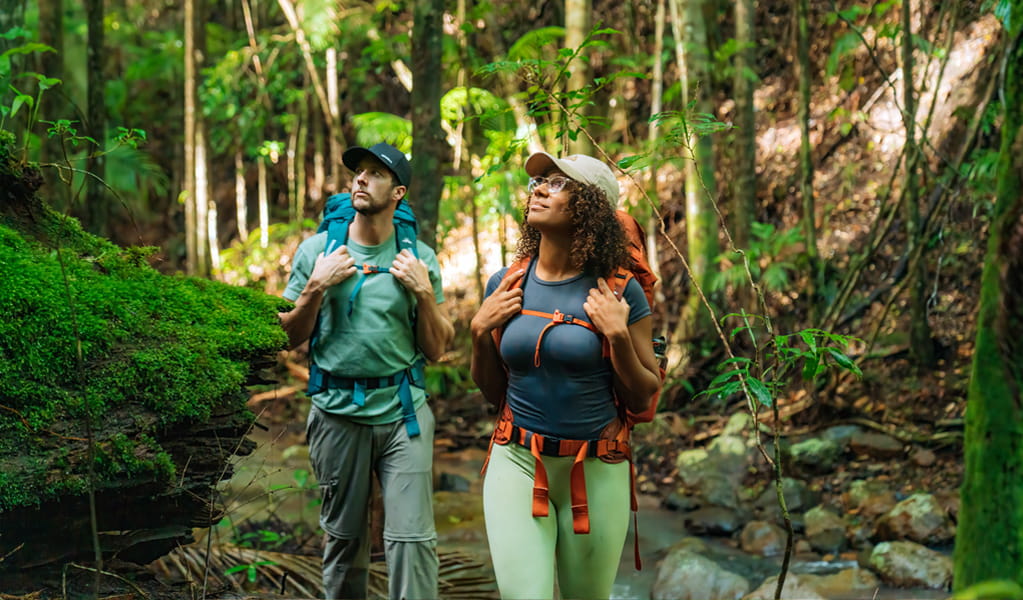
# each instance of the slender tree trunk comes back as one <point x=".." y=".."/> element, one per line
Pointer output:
<point x="656" y="92"/>
<point x="240" y="195"/>
<point x="319" y="164"/>
<point x="334" y="108"/>
<point x="191" y="99"/>
<point x="700" y="187"/>
<point x="744" y="187"/>
<point x="578" y="21"/>
<point x="202" y="202"/>
<point x="97" y="205"/>
<point x="989" y="534"/>
<point x="264" y="204"/>
<point x="805" y="159"/>
<point x="290" y="169"/>
<point x="300" y="160"/>
<point x="429" y="149"/>
<point x="463" y="153"/>
<point x="921" y="347"/>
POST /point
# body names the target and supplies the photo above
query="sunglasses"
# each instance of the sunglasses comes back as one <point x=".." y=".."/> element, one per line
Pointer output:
<point x="555" y="183"/>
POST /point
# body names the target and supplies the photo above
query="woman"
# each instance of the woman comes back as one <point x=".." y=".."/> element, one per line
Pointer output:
<point x="563" y="391"/>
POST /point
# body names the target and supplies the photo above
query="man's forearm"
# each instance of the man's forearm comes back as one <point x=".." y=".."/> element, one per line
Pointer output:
<point x="433" y="330"/>
<point x="299" y="322"/>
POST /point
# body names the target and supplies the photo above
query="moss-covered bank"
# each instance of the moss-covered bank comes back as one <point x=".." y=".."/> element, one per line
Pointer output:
<point x="97" y="345"/>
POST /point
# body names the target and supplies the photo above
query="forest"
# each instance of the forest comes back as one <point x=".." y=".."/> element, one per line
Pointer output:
<point x="832" y="199"/>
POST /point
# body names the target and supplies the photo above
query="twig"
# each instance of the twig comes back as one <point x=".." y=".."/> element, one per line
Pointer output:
<point x="99" y="572"/>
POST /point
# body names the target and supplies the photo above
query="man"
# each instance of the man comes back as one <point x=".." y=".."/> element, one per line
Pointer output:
<point x="372" y="332"/>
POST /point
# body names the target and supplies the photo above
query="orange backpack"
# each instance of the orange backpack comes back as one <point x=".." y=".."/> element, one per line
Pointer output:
<point x="613" y="444"/>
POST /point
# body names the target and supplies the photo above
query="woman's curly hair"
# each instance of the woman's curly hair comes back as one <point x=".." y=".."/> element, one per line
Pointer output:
<point x="598" y="240"/>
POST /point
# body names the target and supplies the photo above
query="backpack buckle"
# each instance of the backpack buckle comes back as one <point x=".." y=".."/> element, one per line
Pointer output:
<point x="560" y="317"/>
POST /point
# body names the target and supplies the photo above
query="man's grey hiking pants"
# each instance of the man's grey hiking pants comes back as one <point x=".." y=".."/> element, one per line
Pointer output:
<point x="345" y="456"/>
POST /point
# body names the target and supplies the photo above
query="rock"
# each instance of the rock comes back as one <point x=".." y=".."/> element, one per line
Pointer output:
<point x="798" y="498"/>
<point x="918" y="518"/>
<point x="762" y="538"/>
<point x="908" y="564"/>
<point x="797" y="587"/>
<point x="839" y="585"/>
<point x="825" y="530"/>
<point x="816" y="456"/>
<point x="712" y="520"/>
<point x="841" y="434"/>
<point x="923" y="457"/>
<point x="876" y="445"/>
<point x="452" y="482"/>
<point x="869" y="498"/>
<point x="685" y="574"/>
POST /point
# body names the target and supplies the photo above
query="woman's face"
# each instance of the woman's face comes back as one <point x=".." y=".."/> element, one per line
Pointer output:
<point x="550" y="200"/>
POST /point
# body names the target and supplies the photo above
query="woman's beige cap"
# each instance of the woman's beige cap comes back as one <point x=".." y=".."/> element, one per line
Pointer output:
<point x="579" y="167"/>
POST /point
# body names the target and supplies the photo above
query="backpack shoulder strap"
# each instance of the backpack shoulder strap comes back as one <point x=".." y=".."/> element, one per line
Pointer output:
<point x="406" y="229"/>
<point x="520" y="264"/>
<point x="338" y="214"/>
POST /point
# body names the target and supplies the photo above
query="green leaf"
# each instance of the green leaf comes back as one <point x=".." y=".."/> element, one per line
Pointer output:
<point x="19" y="100"/>
<point x="760" y="391"/>
<point x="844" y="361"/>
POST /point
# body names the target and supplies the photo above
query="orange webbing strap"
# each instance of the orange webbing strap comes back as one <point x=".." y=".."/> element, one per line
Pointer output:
<point x="541" y="490"/>
<point x="580" y="507"/>
<point x="557" y="318"/>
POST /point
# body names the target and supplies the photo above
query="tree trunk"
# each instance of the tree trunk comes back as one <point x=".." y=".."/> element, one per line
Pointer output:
<point x="240" y="196"/>
<point x="334" y="107"/>
<point x="744" y="187"/>
<point x="577" y="27"/>
<point x="96" y="201"/>
<point x="989" y="544"/>
<point x="191" y="69"/>
<point x="805" y="160"/>
<point x="429" y="149"/>
<point x="202" y="202"/>
<point x="701" y="218"/>
<point x="921" y="347"/>
<point x="264" y="204"/>
<point x="656" y="92"/>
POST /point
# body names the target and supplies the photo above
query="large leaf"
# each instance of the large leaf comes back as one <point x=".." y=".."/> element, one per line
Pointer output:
<point x="536" y="43"/>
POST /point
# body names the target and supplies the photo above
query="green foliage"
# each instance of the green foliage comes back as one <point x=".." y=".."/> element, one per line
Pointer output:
<point x="811" y="351"/>
<point x="545" y="69"/>
<point x="247" y="263"/>
<point x="767" y="253"/>
<point x="90" y="331"/>
<point x="373" y="127"/>
<point x="13" y="99"/>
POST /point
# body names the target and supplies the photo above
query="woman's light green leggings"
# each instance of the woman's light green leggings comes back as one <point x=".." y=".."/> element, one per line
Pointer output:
<point x="527" y="549"/>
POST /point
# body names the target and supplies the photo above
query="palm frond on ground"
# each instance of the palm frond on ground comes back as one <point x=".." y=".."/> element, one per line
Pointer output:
<point x="228" y="566"/>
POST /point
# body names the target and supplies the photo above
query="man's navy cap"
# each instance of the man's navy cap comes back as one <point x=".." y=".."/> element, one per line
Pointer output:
<point x="393" y="158"/>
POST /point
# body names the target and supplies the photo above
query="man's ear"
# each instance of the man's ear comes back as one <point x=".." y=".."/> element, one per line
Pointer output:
<point x="398" y="193"/>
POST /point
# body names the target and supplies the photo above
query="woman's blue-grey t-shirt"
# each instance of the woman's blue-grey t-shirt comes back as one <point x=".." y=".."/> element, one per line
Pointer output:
<point x="569" y="396"/>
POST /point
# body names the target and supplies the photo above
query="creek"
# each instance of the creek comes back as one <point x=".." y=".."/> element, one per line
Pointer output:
<point x="273" y="485"/>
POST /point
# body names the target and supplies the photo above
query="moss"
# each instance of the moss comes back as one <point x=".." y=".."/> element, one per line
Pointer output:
<point x="118" y="339"/>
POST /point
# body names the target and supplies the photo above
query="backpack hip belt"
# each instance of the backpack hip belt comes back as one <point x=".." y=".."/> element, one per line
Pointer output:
<point x="611" y="447"/>
<point x="321" y="380"/>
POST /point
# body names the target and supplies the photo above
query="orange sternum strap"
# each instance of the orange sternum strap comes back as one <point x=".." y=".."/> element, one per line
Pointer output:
<point x="557" y="318"/>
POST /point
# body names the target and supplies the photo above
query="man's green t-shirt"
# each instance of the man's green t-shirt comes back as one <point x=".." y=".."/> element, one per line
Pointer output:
<point x="371" y="336"/>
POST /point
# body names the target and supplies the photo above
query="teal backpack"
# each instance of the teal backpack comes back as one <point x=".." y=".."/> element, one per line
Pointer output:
<point x="338" y="214"/>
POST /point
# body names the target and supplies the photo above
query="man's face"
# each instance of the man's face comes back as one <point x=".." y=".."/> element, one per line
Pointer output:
<point x="374" y="188"/>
